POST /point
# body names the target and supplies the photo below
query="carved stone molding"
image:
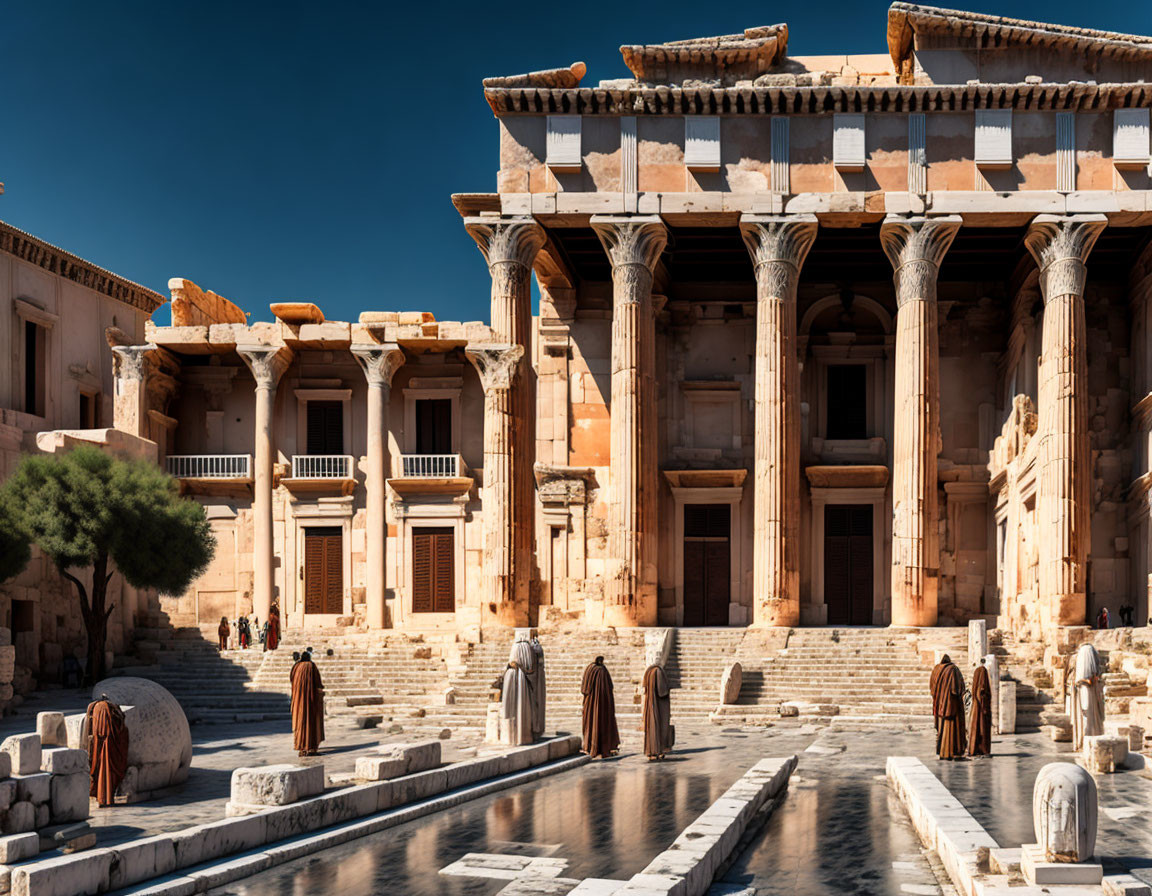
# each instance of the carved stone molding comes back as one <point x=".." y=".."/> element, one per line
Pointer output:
<point x="130" y="360"/>
<point x="631" y="240"/>
<point x="267" y="363"/>
<point x="497" y="365"/>
<point x="915" y="247"/>
<point x="562" y="485"/>
<point x="503" y="240"/>
<point x="778" y="246"/>
<point x="1061" y="244"/>
<point x="379" y="362"/>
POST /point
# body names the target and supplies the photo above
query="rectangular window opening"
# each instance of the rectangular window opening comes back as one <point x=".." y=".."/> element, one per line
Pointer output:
<point x="325" y="427"/>
<point x="847" y="407"/>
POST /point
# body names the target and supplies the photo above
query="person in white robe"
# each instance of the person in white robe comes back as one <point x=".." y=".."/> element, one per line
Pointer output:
<point x="517" y="704"/>
<point x="1087" y="696"/>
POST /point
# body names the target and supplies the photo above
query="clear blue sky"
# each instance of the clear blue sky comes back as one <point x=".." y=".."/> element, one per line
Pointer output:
<point x="308" y="150"/>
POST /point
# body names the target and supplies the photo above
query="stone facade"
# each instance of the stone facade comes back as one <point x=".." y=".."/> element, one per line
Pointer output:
<point x="57" y="390"/>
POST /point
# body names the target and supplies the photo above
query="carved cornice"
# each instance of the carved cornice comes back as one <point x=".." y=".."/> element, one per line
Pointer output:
<point x="631" y="240"/>
<point x="379" y="362"/>
<point x="497" y="365"/>
<point x="267" y="363"/>
<point x="915" y="247"/>
<point x="1060" y="245"/>
<point x="503" y="240"/>
<point x="129" y="361"/>
<point x="778" y="246"/>
<point x="71" y="267"/>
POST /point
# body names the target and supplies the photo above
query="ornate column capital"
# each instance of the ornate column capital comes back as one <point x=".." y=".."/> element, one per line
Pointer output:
<point x="915" y="247"/>
<point x="631" y="239"/>
<point x="496" y="364"/>
<point x="1061" y="244"/>
<point x="130" y="360"/>
<point x="506" y="239"/>
<point x="785" y="239"/>
<point x="379" y="362"/>
<point x="267" y="363"/>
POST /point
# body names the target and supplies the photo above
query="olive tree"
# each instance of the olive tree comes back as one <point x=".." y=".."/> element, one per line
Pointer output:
<point x="86" y="510"/>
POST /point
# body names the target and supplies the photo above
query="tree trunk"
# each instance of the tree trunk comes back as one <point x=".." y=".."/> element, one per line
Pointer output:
<point x="95" y="617"/>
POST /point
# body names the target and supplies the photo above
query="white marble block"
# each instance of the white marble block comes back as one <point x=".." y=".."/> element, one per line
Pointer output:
<point x="33" y="788"/>
<point x="276" y="785"/>
<point x="1064" y="812"/>
<point x="21" y="817"/>
<point x="730" y="684"/>
<point x="977" y="641"/>
<point x="380" y="768"/>
<point x="76" y="728"/>
<point x="24" y="749"/>
<point x="64" y="761"/>
<point x="418" y="757"/>
<point x="50" y="727"/>
<point x="17" y="847"/>
<point x="1007" y="707"/>
<point x="69" y="797"/>
<point x="1103" y="752"/>
<point x="992" y="664"/>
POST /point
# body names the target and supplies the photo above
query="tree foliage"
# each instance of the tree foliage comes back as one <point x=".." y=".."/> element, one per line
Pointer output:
<point x="15" y="551"/>
<point x="87" y="510"/>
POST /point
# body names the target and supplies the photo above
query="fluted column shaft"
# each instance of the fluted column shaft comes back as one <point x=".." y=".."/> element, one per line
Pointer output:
<point x="509" y="246"/>
<point x="1061" y="246"/>
<point x="379" y="363"/>
<point x="505" y="563"/>
<point x="778" y="247"/>
<point x="633" y="246"/>
<point x="267" y="365"/>
<point x="916" y="246"/>
<point x="129" y="407"/>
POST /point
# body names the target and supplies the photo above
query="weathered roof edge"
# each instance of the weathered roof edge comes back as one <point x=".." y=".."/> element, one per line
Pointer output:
<point x="905" y="20"/>
<point x="1074" y="96"/>
<point x="59" y="261"/>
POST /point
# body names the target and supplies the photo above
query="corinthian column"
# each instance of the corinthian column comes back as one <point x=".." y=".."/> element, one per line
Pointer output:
<point x="633" y="245"/>
<point x="379" y="363"/>
<point x="129" y="408"/>
<point x="1060" y="246"/>
<point x="504" y="565"/>
<point x="267" y="363"/>
<point x="916" y="246"/>
<point x="778" y="247"/>
<point x="509" y="245"/>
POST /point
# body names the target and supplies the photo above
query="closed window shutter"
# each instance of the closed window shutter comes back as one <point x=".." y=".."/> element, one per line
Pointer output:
<point x="334" y="579"/>
<point x="421" y="571"/>
<point x="433" y="570"/>
<point x="313" y="573"/>
<point x="444" y="556"/>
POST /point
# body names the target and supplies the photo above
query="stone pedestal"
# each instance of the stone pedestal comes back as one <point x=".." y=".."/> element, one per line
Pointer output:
<point x="778" y="247"/>
<point x="504" y="565"/>
<point x="379" y="363"/>
<point x="1061" y="246"/>
<point x="992" y="664"/>
<point x="977" y="641"/>
<point x="267" y="364"/>
<point x="915" y="247"/>
<point x="129" y="406"/>
<point x="1064" y="814"/>
<point x="1102" y="753"/>
<point x="1007" y="723"/>
<point x="633" y="245"/>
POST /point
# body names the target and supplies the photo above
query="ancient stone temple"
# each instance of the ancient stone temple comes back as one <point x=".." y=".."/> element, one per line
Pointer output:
<point x="822" y="340"/>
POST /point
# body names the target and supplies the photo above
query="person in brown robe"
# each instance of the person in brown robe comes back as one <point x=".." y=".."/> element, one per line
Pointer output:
<point x="980" y="722"/>
<point x="272" y="639"/>
<point x="601" y="736"/>
<point x="947" y="684"/>
<point x="659" y="735"/>
<point x="307" y="706"/>
<point x="107" y="748"/>
<point x="223" y="631"/>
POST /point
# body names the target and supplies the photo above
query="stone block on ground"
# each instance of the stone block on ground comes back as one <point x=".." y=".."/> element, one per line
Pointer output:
<point x="1103" y="752"/>
<point x="1007" y="707"/>
<point x="18" y="847"/>
<point x="56" y="835"/>
<point x="69" y="797"/>
<point x="20" y="817"/>
<point x="64" y="761"/>
<point x="64" y="876"/>
<point x="276" y="785"/>
<point x="24" y="751"/>
<point x="75" y="728"/>
<point x="50" y="726"/>
<point x="33" y="788"/>
<point x="730" y="684"/>
<point x="380" y="768"/>
<point x="418" y="757"/>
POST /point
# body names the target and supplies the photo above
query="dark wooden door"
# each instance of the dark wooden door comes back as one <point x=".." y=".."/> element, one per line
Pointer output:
<point x="325" y="427"/>
<point x="433" y="570"/>
<point x="707" y="564"/>
<point x="323" y="570"/>
<point x="848" y="563"/>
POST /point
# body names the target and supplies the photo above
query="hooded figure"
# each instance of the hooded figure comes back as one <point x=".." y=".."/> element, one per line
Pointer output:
<point x="947" y="684"/>
<point x="601" y="736"/>
<point x="272" y="637"/>
<point x="539" y="691"/>
<point x="517" y="701"/>
<point x="659" y="735"/>
<point x="307" y="706"/>
<point x="980" y="721"/>
<point x="223" y="630"/>
<point x="1087" y="695"/>
<point x="107" y="748"/>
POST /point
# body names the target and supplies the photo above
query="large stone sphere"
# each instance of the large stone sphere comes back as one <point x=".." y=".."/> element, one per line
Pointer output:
<point x="159" y="742"/>
<point x="1064" y="807"/>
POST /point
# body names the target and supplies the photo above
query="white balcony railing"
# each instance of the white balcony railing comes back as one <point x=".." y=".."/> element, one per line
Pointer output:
<point x="430" y="466"/>
<point x="321" y="466"/>
<point x="210" y="466"/>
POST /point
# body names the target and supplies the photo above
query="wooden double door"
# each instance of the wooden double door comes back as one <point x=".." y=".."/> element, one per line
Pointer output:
<point x="707" y="564"/>
<point x="324" y="570"/>
<point x="848" y="563"/>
